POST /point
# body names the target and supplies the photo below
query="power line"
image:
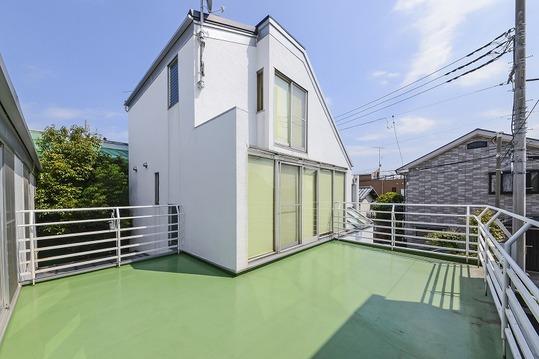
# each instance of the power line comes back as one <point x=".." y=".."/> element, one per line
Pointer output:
<point x="422" y="92"/>
<point x="506" y="33"/>
<point x="342" y="119"/>
<point x="425" y="106"/>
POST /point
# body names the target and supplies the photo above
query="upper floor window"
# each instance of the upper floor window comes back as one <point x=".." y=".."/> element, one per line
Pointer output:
<point x="290" y="113"/>
<point x="173" y="88"/>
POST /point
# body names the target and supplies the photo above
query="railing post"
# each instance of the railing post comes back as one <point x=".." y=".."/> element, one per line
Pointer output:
<point x="178" y="228"/>
<point x="32" y="247"/>
<point x="467" y="233"/>
<point x="505" y="285"/>
<point x="393" y="224"/>
<point x="118" y="237"/>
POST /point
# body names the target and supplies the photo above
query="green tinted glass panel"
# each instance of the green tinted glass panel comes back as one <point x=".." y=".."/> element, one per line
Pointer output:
<point x="309" y="205"/>
<point x="338" y="197"/>
<point x="325" y="201"/>
<point x="281" y="106"/>
<point x="289" y="205"/>
<point x="260" y="202"/>
<point x="298" y="112"/>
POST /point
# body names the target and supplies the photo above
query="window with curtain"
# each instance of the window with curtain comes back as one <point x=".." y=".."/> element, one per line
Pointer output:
<point x="290" y="113"/>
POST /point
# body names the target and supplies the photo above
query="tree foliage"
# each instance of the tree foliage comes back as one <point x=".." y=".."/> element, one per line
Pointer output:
<point x="75" y="172"/>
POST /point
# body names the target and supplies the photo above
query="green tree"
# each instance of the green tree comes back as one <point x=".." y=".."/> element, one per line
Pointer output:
<point x="76" y="174"/>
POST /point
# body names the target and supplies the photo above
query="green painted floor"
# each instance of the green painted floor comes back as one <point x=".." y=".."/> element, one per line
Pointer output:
<point x="337" y="300"/>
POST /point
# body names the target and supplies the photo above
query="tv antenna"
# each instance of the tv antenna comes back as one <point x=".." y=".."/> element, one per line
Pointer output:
<point x="201" y="35"/>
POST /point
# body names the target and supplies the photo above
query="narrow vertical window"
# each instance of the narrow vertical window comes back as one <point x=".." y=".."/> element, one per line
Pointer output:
<point x="173" y="89"/>
<point x="260" y="90"/>
<point x="156" y="187"/>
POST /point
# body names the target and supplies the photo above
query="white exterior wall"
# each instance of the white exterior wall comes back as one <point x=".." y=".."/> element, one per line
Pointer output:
<point x="200" y="145"/>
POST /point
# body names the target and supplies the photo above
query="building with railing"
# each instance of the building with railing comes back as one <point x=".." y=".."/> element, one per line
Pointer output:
<point x="240" y="104"/>
<point x="161" y="280"/>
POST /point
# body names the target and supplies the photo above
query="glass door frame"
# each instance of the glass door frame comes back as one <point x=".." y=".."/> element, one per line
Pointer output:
<point x="277" y="207"/>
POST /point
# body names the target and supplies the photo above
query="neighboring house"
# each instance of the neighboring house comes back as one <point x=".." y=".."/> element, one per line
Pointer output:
<point x="240" y="135"/>
<point x="363" y="196"/>
<point x="18" y="167"/>
<point x="111" y="148"/>
<point x="463" y="172"/>
<point x="382" y="184"/>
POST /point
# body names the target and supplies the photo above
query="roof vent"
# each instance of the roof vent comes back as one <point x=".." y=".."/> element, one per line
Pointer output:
<point x="476" y="144"/>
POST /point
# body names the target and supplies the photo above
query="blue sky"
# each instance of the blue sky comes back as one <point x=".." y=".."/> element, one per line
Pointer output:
<point x="77" y="60"/>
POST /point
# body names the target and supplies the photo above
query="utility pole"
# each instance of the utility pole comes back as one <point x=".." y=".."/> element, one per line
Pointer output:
<point x="518" y="250"/>
<point x="498" y="185"/>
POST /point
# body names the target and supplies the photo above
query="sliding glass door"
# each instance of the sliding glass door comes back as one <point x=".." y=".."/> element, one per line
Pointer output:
<point x="260" y="206"/>
<point x="309" y="209"/>
<point x="325" y="201"/>
<point x="338" y="199"/>
<point x="289" y="206"/>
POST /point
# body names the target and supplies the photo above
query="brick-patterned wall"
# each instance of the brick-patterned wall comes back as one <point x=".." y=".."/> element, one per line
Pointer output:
<point x="466" y="182"/>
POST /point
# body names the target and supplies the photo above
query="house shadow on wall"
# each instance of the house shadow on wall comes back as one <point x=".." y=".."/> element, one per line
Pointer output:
<point x="441" y="324"/>
<point x="181" y="264"/>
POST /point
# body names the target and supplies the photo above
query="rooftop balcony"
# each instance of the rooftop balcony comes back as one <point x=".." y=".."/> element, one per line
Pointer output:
<point x="385" y="287"/>
<point x="337" y="300"/>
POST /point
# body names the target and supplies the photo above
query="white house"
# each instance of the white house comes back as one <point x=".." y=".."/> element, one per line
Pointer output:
<point x="233" y="126"/>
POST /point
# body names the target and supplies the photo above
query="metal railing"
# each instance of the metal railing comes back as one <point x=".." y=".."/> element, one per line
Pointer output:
<point x="56" y="242"/>
<point x="481" y="233"/>
<point x="444" y="229"/>
<point x="515" y="295"/>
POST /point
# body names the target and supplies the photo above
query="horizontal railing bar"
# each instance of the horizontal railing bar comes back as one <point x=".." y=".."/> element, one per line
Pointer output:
<point x="524" y="293"/>
<point x="422" y="238"/>
<point x="40" y="224"/>
<point x="147" y="243"/>
<point x="147" y="251"/>
<point x="524" y="324"/>
<point x="77" y="264"/>
<point x="148" y="235"/>
<point x="67" y="235"/>
<point x="427" y="231"/>
<point x="516" y="333"/>
<point x="78" y="254"/>
<point x="402" y="248"/>
<point x="89" y="209"/>
<point x="77" y="244"/>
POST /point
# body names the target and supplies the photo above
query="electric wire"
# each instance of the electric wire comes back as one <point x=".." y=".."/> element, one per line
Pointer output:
<point x="423" y="91"/>
<point x="342" y="120"/>
<point x="506" y="33"/>
<point x="426" y="106"/>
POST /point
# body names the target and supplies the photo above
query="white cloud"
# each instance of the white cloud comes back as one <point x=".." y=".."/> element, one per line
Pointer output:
<point x="437" y="22"/>
<point x="410" y="125"/>
<point x="384" y="76"/>
<point x="69" y="113"/>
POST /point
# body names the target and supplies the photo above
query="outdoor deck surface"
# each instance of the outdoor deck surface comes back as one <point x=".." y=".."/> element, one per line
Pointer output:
<point x="337" y="300"/>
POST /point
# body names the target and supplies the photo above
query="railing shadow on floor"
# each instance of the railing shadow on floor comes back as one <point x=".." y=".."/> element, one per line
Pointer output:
<point x="452" y="316"/>
<point x="181" y="264"/>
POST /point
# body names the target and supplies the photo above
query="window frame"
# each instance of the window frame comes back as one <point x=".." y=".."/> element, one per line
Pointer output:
<point x="260" y="90"/>
<point x="169" y="78"/>
<point x="529" y="189"/>
<point x="292" y="84"/>
<point x="156" y="188"/>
